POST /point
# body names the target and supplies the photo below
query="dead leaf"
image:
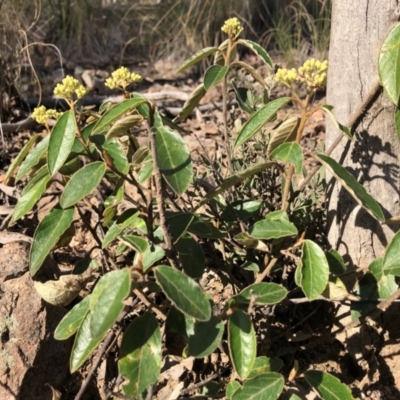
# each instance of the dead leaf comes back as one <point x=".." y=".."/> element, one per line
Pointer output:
<point x="63" y="291"/>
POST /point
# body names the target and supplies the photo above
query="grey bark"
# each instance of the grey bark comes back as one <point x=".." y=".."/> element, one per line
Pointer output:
<point x="358" y="30"/>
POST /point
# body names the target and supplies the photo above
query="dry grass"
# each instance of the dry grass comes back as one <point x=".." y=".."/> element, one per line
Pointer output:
<point x="112" y="32"/>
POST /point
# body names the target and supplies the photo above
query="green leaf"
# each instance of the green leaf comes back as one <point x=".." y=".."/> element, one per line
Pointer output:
<point x="123" y="125"/>
<point x="389" y="59"/>
<point x="114" y="150"/>
<point x="49" y="230"/>
<point x="328" y="386"/>
<point x="336" y="262"/>
<point x="62" y="138"/>
<point x="180" y="323"/>
<point x="141" y="356"/>
<point x="21" y="156"/>
<point x="285" y="132"/>
<point x="234" y="180"/>
<point x="106" y="302"/>
<point x="206" y="338"/>
<point x="72" y="320"/>
<point x="174" y="159"/>
<point x="146" y="171"/>
<point x="264" y="387"/>
<point x="115" y="112"/>
<point x="197" y="57"/>
<point x="258" y="50"/>
<point x="153" y="254"/>
<point x="242" y="343"/>
<point x="314" y="270"/>
<point x="191" y="103"/>
<point x="137" y="243"/>
<point x="289" y="153"/>
<point x="241" y="97"/>
<point x="191" y="256"/>
<point x="82" y="183"/>
<point x="203" y="229"/>
<point x="33" y="158"/>
<point x="263" y="365"/>
<point x="31" y="194"/>
<point x="345" y="129"/>
<point x="259" y="119"/>
<point x="240" y="210"/>
<point x="265" y="293"/>
<point x="84" y="344"/>
<point x="214" y="75"/>
<point x="376" y="268"/>
<point x="178" y="224"/>
<point x="272" y="229"/>
<point x="183" y="292"/>
<point x="231" y="388"/>
<point x="348" y="181"/>
<point x="391" y="259"/>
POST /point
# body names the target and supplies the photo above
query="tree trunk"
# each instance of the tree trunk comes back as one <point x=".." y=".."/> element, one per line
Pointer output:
<point x="358" y="30"/>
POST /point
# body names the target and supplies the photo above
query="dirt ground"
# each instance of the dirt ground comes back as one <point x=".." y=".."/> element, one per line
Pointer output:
<point x="35" y="366"/>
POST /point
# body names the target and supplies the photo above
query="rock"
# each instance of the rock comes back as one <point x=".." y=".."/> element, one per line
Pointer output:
<point x="32" y="362"/>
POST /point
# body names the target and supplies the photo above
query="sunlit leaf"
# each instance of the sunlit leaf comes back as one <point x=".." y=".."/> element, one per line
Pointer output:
<point x="328" y="386"/>
<point x="49" y="230"/>
<point x="183" y="292"/>
<point x="345" y="129"/>
<point x="289" y="153"/>
<point x="191" y="103"/>
<point x="214" y="75"/>
<point x="242" y="343"/>
<point x="314" y="270"/>
<point x="30" y="195"/>
<point x="284" y="133"/>
<point x="62" y="138"/>
<point x="72" y="320"/>
<point x="389" y="60"/>
<point x="174" y="159"/>
<point x="258" y="50"/>
<point x="33" y="158"/>
<point x="106" y="302"/>
<point x="264" y="293"/>
<point x="391" y="259"/>
<point x="84" y="344"/>
<point x="116" y="112"/>
<point x="267" y="386"/>
<point x="197" y="57"/>
<point x="207" y="336"/>
<point x="140" y="355"/>
<point x="82" y="183"/>
<point x="348" y="181"/>
<point x="259" y="119"/>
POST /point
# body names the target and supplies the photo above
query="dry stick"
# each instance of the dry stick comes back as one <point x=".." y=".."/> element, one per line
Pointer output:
<point x="143" y="298"/>
<point x="202" y="383"/>
<point x="160" y="203"/>
<point x="266" y="271"/>
<point x="355" y="117"/>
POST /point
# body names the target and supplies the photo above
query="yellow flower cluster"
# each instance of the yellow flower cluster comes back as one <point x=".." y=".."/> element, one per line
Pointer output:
<point x="41" y="115"/>
<point x="121" y="78"/>
<point x="286" y="76"/>
<point x="68" y="87"/>
<point x="232" y="27"/>
<point x="313" y="73"/>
